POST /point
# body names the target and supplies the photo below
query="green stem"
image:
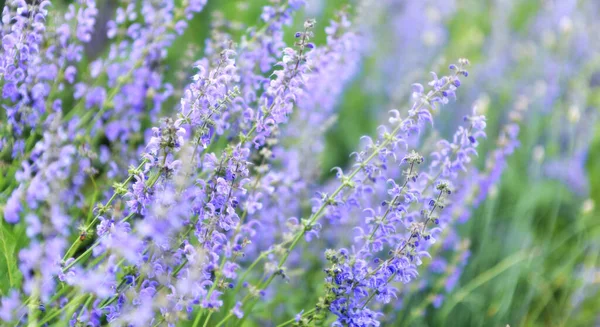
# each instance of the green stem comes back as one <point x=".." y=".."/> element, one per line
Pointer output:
<point x="391" y="205"/>
<point x="93" y="222"/>
<point x="197" y="320"/>
<point x="291" y="321"/>
<point x="485" y="277"/>
<point x="208" y="319"/>
<point x="229" y="315"/>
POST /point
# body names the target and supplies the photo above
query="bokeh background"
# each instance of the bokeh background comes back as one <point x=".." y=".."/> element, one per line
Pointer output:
<point x="535" y="242"/>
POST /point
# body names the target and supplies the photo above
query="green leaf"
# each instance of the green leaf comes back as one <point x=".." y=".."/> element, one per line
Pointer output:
<point x="10" y="276"/>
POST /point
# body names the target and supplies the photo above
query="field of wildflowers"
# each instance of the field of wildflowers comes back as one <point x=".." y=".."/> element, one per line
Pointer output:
<point x="300" y="163"/>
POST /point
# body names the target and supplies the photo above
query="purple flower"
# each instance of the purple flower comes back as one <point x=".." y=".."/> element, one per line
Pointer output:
<point x="237" y="310"/>
<point x="13" y="207"/>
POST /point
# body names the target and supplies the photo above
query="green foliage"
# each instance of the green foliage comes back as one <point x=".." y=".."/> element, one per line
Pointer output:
<point x="11" y="239"/>
<point x="523" y="14"/>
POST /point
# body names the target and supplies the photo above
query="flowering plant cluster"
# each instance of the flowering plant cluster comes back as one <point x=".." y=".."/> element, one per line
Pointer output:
<point x="138" y="213"/>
